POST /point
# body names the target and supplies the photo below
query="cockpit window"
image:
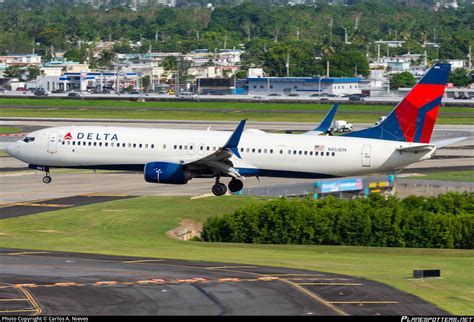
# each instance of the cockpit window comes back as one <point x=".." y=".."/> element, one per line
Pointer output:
<point x="28" y="139"/>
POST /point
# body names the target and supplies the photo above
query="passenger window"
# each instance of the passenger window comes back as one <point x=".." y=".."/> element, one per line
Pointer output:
<point x="68" y="142"/>
<point x="259" y="150"/>
<point x="248" y="150"/>
<point x="130" y="145"/>
<point x="112" y="144"/>
<point x="300" y="153"/>
<point x="140" y="145"/>
<point x="90" y="143"/>
<point x="241" y="149"/>
<point x="214" y="148"/>
<point x="95" y="143"/>
<point x="180" y="147"/>
<point x="190" y="147"/>
<point x="281" y="151"/>
<point x="134" y="145"/>
<point x="64" y="142"/>
<point x="327" y="154"/>
<point x="264" y="150"/>
<point x="123" y="145"/>
<point x="164" y="146"/>
<point x="175" y="147"/>
<point x="333" y="154"/>
<point x="100" y="143"/>
<point x="305" y="152"/>
<point x="294" y="151"/>
<point x="310" y="152"/>
<point x="201" y="148"/>
<point x="316" y="153"/>
<point x="271" y="151"/>
<point x="185" y="147"/>
<point x="106" y="144"/>
<point x="146" y="146"/>
<point x="253" y="150"/>
<point x="73" y="142"/>
<point x="208" y="148"/>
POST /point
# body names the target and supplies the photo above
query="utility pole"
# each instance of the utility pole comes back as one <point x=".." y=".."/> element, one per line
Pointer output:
<point x="117" y="89"/>
<point x="469" y="58"/>
<point x="327" y="68"/>
<point x="287" y="64"/>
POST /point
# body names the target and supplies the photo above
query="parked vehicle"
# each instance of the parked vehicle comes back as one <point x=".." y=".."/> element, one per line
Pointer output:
<point x="356" y="98"/>
<point x="340" y="126"/>
<point x="74" y="94"/>
<point x="293" y="94"/>
<point x="381" y="119"/>
<point x="274" y="94"/>
<point x="40" y="92"/>
<point x="22" y="89"/>
<point x="463" y="97"/>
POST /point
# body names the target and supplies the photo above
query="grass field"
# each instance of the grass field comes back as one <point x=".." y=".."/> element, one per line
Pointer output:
<point x="230" y="111"/>
<point x="138" y="226"/>
<point x="9" y="130"/>
<point x="462" y="176"/>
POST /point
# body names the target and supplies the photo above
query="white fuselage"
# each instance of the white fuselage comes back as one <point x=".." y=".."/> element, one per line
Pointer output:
<point x="266" y="154"/>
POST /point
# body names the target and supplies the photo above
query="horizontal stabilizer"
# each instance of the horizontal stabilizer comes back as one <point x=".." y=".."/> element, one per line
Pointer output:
<point x="443" y="143"/>
<point x="417" y="148"/>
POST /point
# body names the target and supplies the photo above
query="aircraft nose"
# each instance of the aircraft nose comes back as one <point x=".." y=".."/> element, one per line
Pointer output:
<point x="12" y="149"/>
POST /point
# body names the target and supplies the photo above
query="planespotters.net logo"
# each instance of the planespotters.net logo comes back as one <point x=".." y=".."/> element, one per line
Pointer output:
<point x="437" y="319"/>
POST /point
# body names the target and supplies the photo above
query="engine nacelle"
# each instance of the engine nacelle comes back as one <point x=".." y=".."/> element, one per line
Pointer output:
<point x="166" y="172"/>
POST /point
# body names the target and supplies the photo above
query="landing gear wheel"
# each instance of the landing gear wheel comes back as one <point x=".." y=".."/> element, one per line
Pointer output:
<point x="235" y="185"/>
<point x="219" y="189"/>
<point x="47" y="179"/>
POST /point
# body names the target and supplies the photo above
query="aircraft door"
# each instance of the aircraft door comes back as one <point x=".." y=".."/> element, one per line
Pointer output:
<point x="366" y="156"/>
<point x="53" y="142"/>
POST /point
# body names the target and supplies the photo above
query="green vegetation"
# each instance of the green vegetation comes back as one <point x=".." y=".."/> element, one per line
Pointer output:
<point x="443" y="222"/>
<point x="462" y="176"/>
<point x="405" y="79"/>
<point x="9" y="130"/>
<point x="231" y="111"/>
<point x="268" y="32"/>
<point x="138" y="226"/>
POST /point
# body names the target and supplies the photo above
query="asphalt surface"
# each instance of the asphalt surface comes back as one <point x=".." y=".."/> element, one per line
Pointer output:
<point x="54" y="283"/>
<point x="39" y="206"/>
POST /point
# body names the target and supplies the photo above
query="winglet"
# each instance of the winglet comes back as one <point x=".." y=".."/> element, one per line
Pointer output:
<point x="234" y="139"/>
<point x="327" y="121"/>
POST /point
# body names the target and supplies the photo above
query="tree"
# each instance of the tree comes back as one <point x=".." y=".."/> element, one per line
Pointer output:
<point x="105" y="59"/>
<point x="33" y="72"/>
<point x="146" y="81"/>
<point x="13" y="72"/>
<point x="405" y="79"/>
<point x="460" y="77"/>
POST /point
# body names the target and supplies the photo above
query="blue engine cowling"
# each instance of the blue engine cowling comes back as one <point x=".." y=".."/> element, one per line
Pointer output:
<point x="166" y="172"/>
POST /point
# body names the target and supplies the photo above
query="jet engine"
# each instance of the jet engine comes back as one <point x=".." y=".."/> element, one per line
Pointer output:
<point x="166" y="172"/>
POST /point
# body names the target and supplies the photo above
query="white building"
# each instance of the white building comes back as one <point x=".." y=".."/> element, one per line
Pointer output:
<point x="304" y="86"/>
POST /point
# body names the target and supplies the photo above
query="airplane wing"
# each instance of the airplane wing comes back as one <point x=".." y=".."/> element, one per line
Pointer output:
<point x="326" y="123"/>
<point x="219" y="161"/>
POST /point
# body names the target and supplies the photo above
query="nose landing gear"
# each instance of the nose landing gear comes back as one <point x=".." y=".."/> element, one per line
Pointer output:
<point x="47" y="178"/>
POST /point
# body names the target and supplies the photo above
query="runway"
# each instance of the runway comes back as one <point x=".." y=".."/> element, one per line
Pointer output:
<point x="56" y="283"/>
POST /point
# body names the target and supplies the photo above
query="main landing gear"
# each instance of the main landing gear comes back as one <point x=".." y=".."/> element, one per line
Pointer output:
<point x="220" y="189"/>
<point x="47" y="177"/>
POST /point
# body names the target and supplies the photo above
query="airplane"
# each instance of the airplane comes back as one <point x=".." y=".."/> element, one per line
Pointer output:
<point x="325" y="125"/>
<point x="175" y="156"/>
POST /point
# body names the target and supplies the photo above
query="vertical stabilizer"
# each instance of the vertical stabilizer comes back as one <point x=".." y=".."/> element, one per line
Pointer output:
<point x="413" y="119"/>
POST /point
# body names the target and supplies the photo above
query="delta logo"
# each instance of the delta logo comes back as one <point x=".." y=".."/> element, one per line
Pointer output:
<point x="68" y="136"/>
